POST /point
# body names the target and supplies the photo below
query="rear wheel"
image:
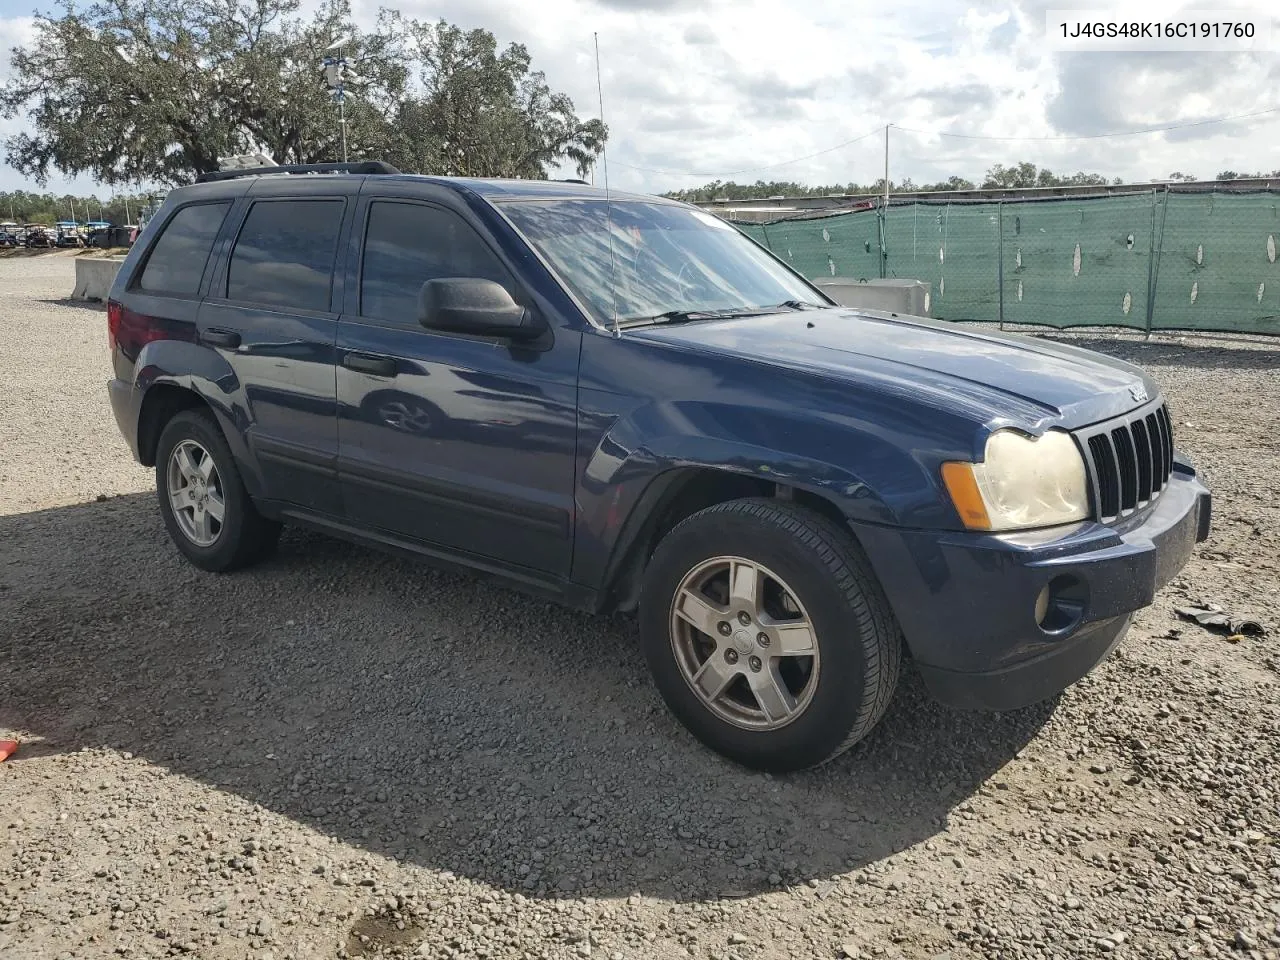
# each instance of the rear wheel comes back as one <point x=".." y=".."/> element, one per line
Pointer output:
<point x="768" y="635"/>
<point x="206" y="508"/>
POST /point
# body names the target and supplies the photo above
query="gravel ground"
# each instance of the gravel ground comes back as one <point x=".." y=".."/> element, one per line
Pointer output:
<point x="340" y="754"/>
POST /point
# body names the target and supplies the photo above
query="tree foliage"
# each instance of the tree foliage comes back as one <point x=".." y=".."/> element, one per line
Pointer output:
<point x="1232" y="175"/>
<point x="129" y="91"/>
<point x="1025" y="174"/>
<point x="721" y="190"/>
<point x="998" y="177"/>
<point x="23" y="206"/>
<point x="479" y="111"/>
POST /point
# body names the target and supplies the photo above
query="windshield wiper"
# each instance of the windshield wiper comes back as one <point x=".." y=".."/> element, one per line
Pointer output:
<point x="686" y="316"/>
<point x="795" y="305"/>
<point x="683" y="316"/>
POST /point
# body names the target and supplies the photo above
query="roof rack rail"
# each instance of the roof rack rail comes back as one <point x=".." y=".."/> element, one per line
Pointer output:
<point x="363" y="166"/>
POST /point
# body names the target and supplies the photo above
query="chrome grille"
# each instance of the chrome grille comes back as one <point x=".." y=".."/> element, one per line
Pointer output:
<point x="1129" y="461"/>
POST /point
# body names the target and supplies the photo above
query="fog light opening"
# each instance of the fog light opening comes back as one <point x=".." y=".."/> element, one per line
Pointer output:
<point x="1042" y="605"/>
<point x="1060" y="604"/>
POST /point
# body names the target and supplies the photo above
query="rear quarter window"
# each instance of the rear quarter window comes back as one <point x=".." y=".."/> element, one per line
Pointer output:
<point x="177" y="261"/>
<point x="285" y="253"/>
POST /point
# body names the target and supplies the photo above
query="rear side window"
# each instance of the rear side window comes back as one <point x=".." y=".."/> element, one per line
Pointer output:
<point x="407" y="244"/>
<point x="177" y="261"/>
<point x="285" y="252"/>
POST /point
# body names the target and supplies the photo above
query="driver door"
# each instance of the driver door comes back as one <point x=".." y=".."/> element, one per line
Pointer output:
<point x="460" y="442"/>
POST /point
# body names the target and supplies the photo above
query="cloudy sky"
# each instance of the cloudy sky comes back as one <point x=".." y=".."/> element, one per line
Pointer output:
<point x="740" y="89"/>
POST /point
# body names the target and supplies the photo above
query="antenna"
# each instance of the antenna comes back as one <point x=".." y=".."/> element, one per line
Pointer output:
<point x="608" y="200"/>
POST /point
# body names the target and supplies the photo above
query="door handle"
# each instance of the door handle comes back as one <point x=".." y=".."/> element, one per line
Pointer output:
<point x="221" y="338"/>
<point x="363" y="363"/>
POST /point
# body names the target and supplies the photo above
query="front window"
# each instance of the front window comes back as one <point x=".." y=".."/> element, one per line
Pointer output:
<point x="667" y="262"/>
<point x="407" y="244"/>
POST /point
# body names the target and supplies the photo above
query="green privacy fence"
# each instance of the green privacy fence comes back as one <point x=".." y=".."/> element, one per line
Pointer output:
<point x="1160" y="260"/>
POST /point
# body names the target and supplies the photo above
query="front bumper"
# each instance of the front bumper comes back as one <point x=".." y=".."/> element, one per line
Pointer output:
<point x="967" y="602"/>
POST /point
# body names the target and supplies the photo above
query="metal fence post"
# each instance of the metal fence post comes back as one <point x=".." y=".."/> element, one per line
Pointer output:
<point x="1151" y="261"/>
<point x="1157" y="248"/>
<point x="1000" y="259"/>
<point x="884" y="238"/>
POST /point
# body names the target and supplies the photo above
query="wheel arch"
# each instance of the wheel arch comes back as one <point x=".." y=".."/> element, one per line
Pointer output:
<point x="166" y="397"/>
<point x="677" y="494"/>
<point x="160" y="404"/>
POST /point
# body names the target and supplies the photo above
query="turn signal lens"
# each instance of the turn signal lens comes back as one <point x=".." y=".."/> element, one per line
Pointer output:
<point x="966" y="496"/>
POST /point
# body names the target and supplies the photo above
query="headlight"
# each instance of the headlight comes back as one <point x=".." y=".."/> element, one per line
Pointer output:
<point x="1022" y="482"/>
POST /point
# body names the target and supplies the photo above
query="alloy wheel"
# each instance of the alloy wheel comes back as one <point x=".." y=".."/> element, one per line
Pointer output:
<point x="195" y="493"/>
<point x="744" y="643"/>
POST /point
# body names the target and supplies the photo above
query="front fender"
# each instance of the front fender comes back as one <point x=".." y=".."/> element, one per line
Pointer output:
<point x="866" y="474"/>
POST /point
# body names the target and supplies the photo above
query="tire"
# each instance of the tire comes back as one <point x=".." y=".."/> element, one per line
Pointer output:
<point x="242" y="536"/>
<point x="836" y="694"/>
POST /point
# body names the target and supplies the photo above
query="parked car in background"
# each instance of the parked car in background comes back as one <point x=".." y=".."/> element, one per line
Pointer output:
<point x="38" y="235"/>
<point x="624" y="403"/>
<point x="97" y="233"/>
<point x="68" y="234"/>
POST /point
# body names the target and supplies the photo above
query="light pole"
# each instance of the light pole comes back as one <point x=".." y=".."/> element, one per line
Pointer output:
<point x="335" y="76"/>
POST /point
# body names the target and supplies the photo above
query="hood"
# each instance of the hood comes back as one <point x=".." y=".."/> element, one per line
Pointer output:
<point x="1003" y="379"/>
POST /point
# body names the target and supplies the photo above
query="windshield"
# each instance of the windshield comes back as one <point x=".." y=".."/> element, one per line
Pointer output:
<point x="671" y="260"/>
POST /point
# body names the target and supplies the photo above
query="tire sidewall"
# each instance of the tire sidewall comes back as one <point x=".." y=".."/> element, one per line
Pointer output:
<point x="843" y="667"/>
<point x="222" y="553"/>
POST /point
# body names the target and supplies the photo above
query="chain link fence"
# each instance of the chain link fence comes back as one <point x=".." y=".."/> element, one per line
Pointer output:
<point x="1166" y="259"/>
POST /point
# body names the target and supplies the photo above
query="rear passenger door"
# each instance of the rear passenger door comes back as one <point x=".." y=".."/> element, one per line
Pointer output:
<point x="272" y="310"/>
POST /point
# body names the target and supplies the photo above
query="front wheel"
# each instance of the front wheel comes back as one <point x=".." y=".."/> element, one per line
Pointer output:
<point x="768" y="635"/>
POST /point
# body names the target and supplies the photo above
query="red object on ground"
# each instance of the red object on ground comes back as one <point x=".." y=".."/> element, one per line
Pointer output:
<point x="7" y="749"/>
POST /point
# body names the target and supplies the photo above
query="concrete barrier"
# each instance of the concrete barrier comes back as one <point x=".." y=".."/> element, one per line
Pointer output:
<point x="94" y="277"/>
<point x="909" y="297"/>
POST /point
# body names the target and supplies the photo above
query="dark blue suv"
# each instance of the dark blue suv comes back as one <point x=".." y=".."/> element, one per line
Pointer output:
<point x="623" y="403"/>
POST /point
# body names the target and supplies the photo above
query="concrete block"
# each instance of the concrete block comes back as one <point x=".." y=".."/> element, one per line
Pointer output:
<point x="94" y="277"/>
<point x="910" y="297"/>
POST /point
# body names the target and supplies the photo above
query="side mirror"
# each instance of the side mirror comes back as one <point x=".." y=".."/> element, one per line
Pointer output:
<point x="474" y="305"/>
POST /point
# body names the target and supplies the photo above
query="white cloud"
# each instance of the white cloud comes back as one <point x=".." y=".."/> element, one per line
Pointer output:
<point x="710" y="87"/>
<point x="14" y="32"/>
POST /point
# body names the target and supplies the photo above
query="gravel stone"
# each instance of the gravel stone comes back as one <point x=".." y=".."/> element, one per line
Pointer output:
<point x="345" y="754"/>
